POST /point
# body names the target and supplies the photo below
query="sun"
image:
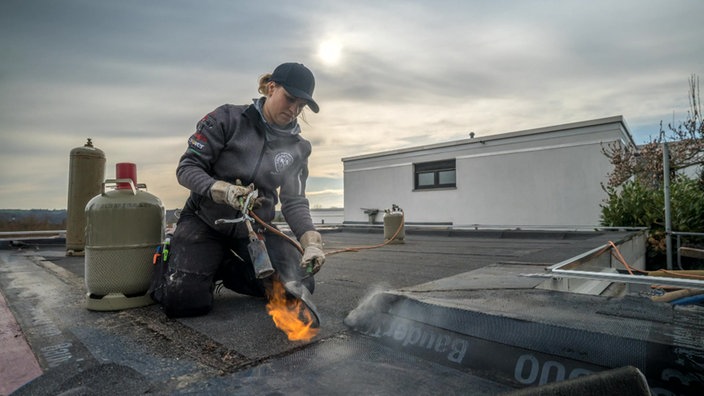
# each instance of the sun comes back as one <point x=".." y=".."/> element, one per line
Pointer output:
<point x="330" y="51"/>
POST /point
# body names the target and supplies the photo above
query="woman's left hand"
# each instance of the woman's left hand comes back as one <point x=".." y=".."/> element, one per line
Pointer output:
<point x="313" y="256"/>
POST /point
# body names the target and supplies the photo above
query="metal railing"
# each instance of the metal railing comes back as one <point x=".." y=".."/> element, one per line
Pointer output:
<point x="625" y="278"/>
<point x="558" y="270"/>
<point x="4" y="235"/>
<point x="679" y="236"/>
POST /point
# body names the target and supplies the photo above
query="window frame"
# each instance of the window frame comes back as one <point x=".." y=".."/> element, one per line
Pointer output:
<point x="434" y="168"/>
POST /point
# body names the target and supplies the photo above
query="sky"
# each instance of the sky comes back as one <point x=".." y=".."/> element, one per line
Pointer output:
<point x="135" y="76"/>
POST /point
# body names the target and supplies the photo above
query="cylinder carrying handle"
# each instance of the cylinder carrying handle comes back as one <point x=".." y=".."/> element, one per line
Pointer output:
<point x="133" y="187"/>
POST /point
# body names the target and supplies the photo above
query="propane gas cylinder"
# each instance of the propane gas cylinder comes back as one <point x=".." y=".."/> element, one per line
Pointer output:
<point x="86" y="173"/>
<point x="124" y="227"/>
<point x="394" y="226"/>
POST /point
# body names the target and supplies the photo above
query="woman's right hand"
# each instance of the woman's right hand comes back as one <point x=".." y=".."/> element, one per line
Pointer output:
<point x="229" y="194"/>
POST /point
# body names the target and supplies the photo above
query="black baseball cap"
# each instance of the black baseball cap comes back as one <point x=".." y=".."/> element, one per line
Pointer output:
<point x="297" y="80"/>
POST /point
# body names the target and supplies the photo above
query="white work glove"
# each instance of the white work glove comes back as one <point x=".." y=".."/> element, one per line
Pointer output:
<point x="313" y="256"/>
<point x="229" y="194"/>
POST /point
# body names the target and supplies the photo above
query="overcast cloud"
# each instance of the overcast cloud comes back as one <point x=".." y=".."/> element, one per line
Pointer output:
<point x="136" y="76"/>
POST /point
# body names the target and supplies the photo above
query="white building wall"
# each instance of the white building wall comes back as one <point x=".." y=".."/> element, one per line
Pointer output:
<point x="549" y="176"/>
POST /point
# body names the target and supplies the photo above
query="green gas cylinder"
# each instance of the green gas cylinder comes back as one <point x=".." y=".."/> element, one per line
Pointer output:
<point x="124" y="227"/>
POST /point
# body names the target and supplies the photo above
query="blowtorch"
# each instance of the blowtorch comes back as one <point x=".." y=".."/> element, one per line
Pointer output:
<point x="261" y="262"/>
<point x="257" y="250"/>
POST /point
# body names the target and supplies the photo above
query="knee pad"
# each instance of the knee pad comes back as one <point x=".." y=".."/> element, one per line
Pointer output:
<point x="187" y="294"/>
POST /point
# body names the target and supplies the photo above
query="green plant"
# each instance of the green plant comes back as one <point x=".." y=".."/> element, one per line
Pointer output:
<point x="632" y="204"/>
<point x="636" y="204"/>
<point x="687" y="205"/>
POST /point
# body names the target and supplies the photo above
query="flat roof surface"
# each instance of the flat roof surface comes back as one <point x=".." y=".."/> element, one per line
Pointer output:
<point x="237" y="349"/>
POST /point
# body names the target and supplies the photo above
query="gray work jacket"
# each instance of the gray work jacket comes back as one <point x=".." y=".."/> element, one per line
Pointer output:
<point x="230" y="143"/>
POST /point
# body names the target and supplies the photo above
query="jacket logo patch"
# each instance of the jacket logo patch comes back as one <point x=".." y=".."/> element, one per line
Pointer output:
<point x="195" y="143"/>
<point x="282" y="161"/>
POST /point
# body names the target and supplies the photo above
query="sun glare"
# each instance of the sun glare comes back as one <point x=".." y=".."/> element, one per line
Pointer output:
<point x="330" y="51"/>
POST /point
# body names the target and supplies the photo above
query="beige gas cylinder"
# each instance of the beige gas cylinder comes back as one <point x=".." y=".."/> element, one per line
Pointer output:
<point x="394" y="225"/>
<point x="124" y="227"/>
<point x="85" y="176"/>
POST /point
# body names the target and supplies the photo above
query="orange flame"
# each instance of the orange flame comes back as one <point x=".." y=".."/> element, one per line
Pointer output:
<point x="290" y="316"/>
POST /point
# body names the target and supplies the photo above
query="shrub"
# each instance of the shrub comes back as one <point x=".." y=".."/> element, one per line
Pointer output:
<point x="636" y="205"/>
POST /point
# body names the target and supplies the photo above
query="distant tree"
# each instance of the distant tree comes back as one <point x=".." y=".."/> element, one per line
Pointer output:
<point x="685" y="142"/>
<point x="32" y="220"/>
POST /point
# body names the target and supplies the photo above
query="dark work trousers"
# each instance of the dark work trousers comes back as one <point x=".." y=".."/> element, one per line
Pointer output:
<point x="199" y="256"/>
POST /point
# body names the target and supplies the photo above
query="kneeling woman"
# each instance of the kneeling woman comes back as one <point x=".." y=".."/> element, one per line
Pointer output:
<point x="234" y="150"/>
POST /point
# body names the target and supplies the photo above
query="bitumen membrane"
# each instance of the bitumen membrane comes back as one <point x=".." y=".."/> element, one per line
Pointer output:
<point x="447" y="312"/>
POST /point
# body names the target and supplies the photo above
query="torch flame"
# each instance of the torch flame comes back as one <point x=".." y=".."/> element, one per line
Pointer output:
<point x="290" y="316"/>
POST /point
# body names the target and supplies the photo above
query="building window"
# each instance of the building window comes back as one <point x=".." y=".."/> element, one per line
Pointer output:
<point x="437" y="174"/>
